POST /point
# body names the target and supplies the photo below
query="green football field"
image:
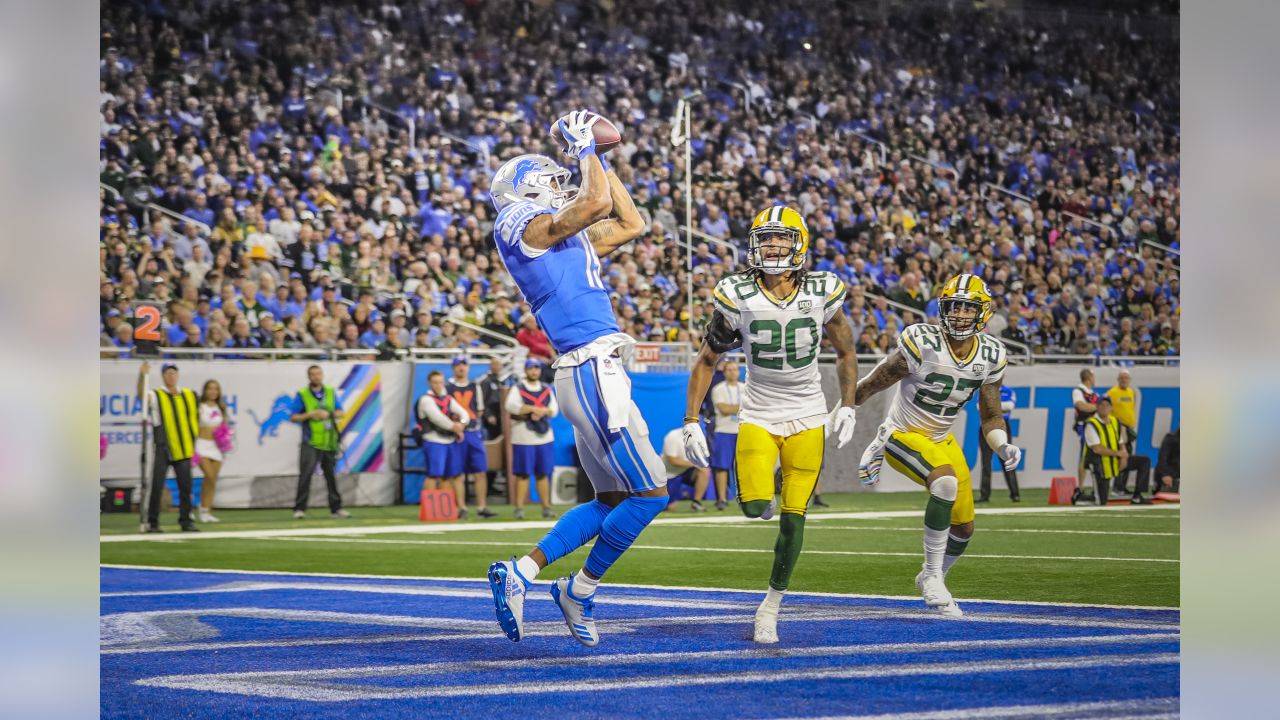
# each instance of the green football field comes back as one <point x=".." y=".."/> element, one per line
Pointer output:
<point x="866" y="543"/>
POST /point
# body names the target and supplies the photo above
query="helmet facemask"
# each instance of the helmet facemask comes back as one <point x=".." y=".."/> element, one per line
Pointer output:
<point x="775" y="248"/>
<point x="962" y="318"/>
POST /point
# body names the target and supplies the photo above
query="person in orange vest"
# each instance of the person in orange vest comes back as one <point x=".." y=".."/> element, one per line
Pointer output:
<point x="469" y="456"/>
<point x="532" y="404"/>
<point x="441" y="421"/>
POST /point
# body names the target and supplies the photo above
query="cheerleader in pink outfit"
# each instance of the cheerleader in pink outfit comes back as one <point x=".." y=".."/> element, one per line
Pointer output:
<point x="212" y="442"/>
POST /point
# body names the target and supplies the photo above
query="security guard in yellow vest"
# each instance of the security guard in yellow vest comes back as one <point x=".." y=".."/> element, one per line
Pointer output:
<point x="1106" y="455"/>
<point x="174" y="422"/>
<point x="316" y="409"/>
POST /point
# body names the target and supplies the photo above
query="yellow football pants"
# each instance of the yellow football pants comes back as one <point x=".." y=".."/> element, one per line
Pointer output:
<point x="916" y="456"/>
<point x="758" y="453"/>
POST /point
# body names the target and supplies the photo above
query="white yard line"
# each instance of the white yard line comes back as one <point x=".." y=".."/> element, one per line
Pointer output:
<point x="312" y="685"/>
<point x="679" y="548"/>
<point x="434" y="528"/>
<point x="984" y="530"/>
<point x="635" y="586"/>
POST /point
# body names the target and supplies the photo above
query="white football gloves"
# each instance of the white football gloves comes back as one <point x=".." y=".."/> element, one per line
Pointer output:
<point x="576" y="129"/>
<point x="842" y="426"/>
<point x="695" y="445"/>
<point x="1011" y="455"/>
<point x="873" y="458"/>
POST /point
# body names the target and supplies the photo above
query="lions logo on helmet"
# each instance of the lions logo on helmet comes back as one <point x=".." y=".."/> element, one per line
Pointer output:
<point x="779" y="227"/>
<point x="536" y="178"/>
<point x="962" y="294"/>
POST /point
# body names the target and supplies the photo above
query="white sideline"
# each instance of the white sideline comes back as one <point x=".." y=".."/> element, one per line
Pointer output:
<point x="678" y="548"/>
<point x="434" y="528"/>
<point x="635" y="586"/>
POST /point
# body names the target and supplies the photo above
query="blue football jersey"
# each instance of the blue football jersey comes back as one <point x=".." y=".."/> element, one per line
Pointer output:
<point x="562" y="284"/>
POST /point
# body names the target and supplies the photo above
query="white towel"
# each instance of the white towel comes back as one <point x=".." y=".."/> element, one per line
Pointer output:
<point x="615" y="390"/>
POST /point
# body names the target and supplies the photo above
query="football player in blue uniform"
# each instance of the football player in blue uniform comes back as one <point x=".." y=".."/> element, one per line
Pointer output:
<point x="551" y="237"/>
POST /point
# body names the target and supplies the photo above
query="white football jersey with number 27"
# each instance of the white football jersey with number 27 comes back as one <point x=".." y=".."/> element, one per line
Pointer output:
<point x="940" y="384"/>
<point x="781" y="339"/>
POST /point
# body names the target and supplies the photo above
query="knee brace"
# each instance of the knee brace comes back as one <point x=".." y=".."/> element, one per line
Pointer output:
<point x="945" y="488"/>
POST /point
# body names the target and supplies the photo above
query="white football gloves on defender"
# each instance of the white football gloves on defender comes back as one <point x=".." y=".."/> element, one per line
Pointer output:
<point x="576" y="129"/>
<point x="1011" y="455"/>
<point x="842" y="426"/>
<point x="695" y="445"/>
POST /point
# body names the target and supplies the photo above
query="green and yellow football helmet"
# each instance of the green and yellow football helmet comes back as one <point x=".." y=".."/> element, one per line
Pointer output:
<point x="774" y="228"/>
<point x="963" y="292"/>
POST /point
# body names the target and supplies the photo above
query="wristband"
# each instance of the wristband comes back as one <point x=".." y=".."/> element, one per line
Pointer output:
<point x="692" y="420"/>
<point x="997" y="439"/>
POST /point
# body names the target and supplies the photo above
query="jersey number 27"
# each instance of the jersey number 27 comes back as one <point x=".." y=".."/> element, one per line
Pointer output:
<point x="936" y="401"/>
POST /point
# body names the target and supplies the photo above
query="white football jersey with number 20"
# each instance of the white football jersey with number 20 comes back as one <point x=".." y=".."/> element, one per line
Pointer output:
<point x="781" y="339"/>
<point x="940" y="384"/>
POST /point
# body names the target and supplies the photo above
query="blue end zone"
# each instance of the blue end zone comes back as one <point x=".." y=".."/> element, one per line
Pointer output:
<point x="231" y="645"/>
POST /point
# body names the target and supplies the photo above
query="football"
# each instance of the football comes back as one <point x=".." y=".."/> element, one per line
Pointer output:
<point x="607" y="135"/>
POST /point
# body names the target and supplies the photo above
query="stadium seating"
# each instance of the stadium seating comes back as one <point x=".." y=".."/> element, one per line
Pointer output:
<point x="277" y="180"/>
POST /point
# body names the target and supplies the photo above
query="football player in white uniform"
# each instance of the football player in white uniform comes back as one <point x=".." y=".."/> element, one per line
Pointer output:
<point x="778" y="312"/>
<point x="938" y="370"/>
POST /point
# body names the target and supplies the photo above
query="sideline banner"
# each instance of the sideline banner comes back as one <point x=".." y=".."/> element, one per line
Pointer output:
<point x="259" y="398"/>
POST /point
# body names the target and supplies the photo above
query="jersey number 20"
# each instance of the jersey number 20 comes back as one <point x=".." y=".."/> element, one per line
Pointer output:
<point x="777" y="338"/>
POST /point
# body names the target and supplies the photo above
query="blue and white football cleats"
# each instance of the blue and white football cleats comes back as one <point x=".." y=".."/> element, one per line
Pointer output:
<point x="509" y="589"/>
<point x="577" y="611"/>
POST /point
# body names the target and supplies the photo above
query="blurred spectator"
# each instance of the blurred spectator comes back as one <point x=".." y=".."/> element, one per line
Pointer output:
<point x="1169" y="463"/>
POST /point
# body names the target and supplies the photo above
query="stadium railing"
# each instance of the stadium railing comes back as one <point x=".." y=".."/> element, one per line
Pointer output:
<point x="707" y="238"/>
<point x="1065" y="213"/>
<point x="504" y="339"/>
<point x="205" y="230"/>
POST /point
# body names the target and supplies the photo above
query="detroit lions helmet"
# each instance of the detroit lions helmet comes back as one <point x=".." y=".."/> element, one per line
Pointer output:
<point x="536" y="178"/>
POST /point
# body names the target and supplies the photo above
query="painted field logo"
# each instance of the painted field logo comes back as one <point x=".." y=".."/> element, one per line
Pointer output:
<point x="281" y="410"/>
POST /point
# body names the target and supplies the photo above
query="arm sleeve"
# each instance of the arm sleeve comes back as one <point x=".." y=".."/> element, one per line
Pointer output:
<point x="514" y="401"/>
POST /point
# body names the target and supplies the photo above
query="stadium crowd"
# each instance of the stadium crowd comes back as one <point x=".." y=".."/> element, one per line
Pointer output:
<point x="303" y="211"/>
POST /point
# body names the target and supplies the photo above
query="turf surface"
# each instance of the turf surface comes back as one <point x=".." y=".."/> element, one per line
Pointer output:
<point x="1121" y="556"/>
